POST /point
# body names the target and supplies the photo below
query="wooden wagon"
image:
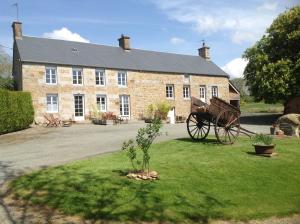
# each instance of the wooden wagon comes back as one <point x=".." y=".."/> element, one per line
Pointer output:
<point x="224" y="117"/>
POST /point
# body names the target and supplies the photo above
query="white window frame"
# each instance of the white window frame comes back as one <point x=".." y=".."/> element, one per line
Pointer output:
<point x="202" y="87"/>
<point x="51" y="100"/>
<point x="99" y="102"/>
<point x="214" y="91"/>
<point x="122" y="106"/>
<point x="51" y="75"/>
<point x="100" y="76"/>
<point x="77" y="75"/>
<point x="170" y="91"/>
<point x="122" y="78"/>
<point x="186" y="92"/>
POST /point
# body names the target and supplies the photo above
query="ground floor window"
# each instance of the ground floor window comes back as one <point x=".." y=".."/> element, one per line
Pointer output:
<point x="186" y="92"/>
<point x="214" y="91"/>
<point x="202" y="93"/>
<point x="124" y="105"/>
<point x="79" y="105"/>
<point x="101" y="102"/>
<point x="52" y="103"/>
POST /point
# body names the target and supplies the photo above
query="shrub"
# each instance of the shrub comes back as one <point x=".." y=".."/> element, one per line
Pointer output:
<point x="143" y="140"/>
<point x="16" y="111"/>
<point x="159" y="110"/>
<point x="261" y="139"/>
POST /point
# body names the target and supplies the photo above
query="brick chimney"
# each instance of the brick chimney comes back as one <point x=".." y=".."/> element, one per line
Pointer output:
<point x="17" y="30"/>
<point x="204" y="52"/>
<point x="124" y="42"/>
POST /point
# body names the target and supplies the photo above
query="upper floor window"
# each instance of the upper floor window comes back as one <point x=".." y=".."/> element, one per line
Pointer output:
<point x="186" y="78"/>
<point x="122" y="78"/>
<point x="51" y="77"/>
<point x="100" y="77"/>
<point x="214" y="91"/>
<point x="101" y="102"/>
<point x="186" y="92"/>
<point x="52" y="103"/>
<point x="170" y="91"/>
<point x="77" y="77"/>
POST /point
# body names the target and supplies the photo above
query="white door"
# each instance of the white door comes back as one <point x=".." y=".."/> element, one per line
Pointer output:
<point x="79" y="107"/>
<point x="202" y="94"/>
<point x="171" y="116"/>
<point x="124" y="106"/>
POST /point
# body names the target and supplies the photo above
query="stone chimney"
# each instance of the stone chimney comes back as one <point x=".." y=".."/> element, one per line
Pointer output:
<point x="124" y="42"/>
<point x="17" y="30"/>
<point x="204" y="52"/>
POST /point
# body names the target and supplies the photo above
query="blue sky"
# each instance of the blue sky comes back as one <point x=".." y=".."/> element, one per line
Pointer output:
<point x="178" y="26"/>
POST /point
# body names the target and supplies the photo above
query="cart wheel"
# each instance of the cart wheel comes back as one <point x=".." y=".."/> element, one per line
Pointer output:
<point x="227" y="127"/>
<point x="198" y="128"/>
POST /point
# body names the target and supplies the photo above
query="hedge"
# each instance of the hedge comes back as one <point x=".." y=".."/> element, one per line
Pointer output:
<point x="16" y="111"/>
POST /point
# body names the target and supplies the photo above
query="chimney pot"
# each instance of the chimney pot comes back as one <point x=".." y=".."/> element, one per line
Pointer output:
<point x="17" y="30"/>
<point x="204" y="52"/>
<point x="124" y="42"/>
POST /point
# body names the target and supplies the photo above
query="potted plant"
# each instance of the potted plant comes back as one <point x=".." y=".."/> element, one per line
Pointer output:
<point x="108" y="118"/>
<point x="263" y="144"/>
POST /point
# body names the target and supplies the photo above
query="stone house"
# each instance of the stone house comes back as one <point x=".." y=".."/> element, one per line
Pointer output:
<point x="70" y="78"/>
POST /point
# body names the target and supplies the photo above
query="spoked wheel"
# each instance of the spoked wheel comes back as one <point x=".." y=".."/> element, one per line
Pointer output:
<point x="227" y="127"/>
<point x="198" y="128"/>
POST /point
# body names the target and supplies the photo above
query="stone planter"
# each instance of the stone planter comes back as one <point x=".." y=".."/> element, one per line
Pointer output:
<point x="264" y="149"/>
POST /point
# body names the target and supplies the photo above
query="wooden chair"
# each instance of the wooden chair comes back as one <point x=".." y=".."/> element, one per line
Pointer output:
<point x="51" y="121"/>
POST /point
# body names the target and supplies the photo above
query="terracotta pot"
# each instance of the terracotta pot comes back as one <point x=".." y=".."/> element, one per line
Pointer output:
<point x="264" y="149"/>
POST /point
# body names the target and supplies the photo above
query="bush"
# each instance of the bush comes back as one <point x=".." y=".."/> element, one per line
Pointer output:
<point x="159" y="110"/>
<point x="16" y="111"/>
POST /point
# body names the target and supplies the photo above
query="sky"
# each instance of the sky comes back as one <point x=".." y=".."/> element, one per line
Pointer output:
<point x="176" y="26"/>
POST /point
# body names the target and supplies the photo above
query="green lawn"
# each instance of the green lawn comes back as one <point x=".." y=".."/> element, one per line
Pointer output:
<point x="198" y="182"/>
<point x="261" y="107"/>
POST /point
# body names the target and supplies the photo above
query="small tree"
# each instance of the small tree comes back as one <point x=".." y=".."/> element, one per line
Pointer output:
<point x="143" y="140"/>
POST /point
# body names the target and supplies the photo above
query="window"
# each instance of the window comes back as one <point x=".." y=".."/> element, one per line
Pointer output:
<point x="122" y="78"/>
<point x="186" y="78"/>
<point x="170" y="91"/>
<point x="186" y="92"/>
<point x="124" y="105"/>
<point x="100" y="77"/>
<point x="202" y="93"/>
<point x="51" y="77"/>
<point x="77" y="77"/>
<point x="101" y="102"/>
<point x="52" y="103"/>
<point x="214" y="91"/>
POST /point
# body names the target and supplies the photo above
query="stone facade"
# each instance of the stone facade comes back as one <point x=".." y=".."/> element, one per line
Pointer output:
<point x="143" y="88"/>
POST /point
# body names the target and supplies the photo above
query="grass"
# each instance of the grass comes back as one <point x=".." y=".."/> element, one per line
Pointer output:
<point x="261" y="107"/>
<point x="198" y="182"/>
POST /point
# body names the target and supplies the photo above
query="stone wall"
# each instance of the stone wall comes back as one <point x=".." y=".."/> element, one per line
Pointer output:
<point x="143" y="88"/>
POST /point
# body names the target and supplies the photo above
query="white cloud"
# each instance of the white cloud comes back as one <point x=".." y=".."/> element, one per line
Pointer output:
<point x="65" y="34"/>
<point x="268" y="6"/>
<point x="243" y="22"/>
<point x="235" y="67"/>
<point x="176" y="40"/>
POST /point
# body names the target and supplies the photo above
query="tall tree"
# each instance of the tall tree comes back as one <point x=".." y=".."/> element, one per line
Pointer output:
<point x="273" y="71"/>
<point x="6" y="80"/>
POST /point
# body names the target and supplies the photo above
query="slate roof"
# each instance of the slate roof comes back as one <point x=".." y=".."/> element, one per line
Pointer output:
<point x="52" y="51"/>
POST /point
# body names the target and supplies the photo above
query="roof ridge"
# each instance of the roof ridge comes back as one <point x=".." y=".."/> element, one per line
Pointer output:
<point x="103" y="45"/>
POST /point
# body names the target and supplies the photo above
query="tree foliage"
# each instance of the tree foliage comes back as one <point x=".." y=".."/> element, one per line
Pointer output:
<point x="143" y="140"/>
<point x="273" y="71"/>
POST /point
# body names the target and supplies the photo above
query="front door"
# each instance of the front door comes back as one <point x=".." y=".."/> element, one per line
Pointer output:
<point x="124" y="106"/>
<point x="202" y="93"/>
<point x="79" y="107"/>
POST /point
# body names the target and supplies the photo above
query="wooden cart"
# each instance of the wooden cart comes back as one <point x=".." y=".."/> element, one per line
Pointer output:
<point x="224" y="117"/>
